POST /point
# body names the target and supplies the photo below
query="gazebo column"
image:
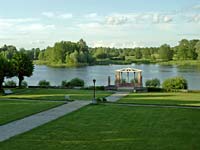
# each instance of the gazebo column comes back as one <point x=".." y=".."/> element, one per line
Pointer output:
<point x="128" y="77"/>
<point x="140" y="79"/>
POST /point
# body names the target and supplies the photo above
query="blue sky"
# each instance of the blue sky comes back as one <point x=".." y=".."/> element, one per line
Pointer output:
<point x="114" y="23"/>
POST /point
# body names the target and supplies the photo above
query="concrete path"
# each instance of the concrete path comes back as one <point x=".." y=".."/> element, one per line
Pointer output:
<point x="28" y="123"/>
<point x="155" y="105"/>
<point x="115" y="97"/>
<point x="23" y="125"/>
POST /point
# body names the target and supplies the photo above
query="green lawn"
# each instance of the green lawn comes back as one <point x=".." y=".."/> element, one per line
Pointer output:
<point x="13" y="110"/>
<point x="109" y="127"/>
<point x="55" y="94"/>
<point x="191" y="99"/>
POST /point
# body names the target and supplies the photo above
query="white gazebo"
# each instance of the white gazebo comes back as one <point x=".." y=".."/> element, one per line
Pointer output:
<point x="133" y="77"/>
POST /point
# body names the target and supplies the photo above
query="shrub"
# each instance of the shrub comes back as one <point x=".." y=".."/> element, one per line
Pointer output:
<point x="134" y="81"/>
<point x="76" y="82"/>
<point x="44" y="83"/>
<point x="65" y="83"/>
<point x="153" y="83"/>
<point x="24" y="84"/>
<point x="123" y="81"/>
<point x="175" y="83"/>
<point x="10" y="83"/>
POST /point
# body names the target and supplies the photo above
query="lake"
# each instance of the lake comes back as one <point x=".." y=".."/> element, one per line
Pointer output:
<point x="101" y="73"/>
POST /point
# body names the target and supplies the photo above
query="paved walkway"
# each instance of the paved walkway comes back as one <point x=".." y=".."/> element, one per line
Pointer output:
<point x="28" y="123"/>
<point x="23" y="125"/>
<point x="115" y="97"/>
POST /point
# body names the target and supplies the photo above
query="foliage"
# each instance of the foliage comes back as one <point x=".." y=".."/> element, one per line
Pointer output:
<point x="152" y="83"/>
<point x="165" y="52"/>
<point x="64" y="83"/>
<point x="6" y="69"/>
<point x="134" y="81"/>
<point x="175" y="83"/>
<point x="66" y="52"/>
<point x="186" y="50"/>
<point x="23" y="66"/>
<point x="76" y="82"/>
<point x="44" y="83"/>
<point x="10" y="83"/>
<point x="24" y="84"/>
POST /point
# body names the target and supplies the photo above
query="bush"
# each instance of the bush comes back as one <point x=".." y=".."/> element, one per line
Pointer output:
<point x="24" y="84"/>
<point x="10" y="83"/>
<point x="154" y="89"/>
<point x="65" y="83"/>
<point x="76" y="82"/>
<point x="44" y="83"/>
<point x="175" y="83"/>
<point x="153" y="83"/>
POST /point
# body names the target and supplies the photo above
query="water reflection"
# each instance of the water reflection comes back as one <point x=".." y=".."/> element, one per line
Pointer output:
<point x="101" y="73"/>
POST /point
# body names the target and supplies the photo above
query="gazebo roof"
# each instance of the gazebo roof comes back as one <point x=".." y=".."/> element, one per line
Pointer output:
<point x="128" y="70"/>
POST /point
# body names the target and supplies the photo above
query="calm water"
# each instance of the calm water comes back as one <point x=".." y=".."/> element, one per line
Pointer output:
<point x="101" y="73"/>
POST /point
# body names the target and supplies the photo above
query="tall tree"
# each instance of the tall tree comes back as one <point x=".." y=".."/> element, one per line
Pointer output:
<point x="197" y="47"/>
<point x="165" y="52"/>
<point x="6" y="69"/>
<point x="23" y="66"/>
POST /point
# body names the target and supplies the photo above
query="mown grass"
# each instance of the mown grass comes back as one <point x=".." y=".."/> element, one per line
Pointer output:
<point x="191" y="99"/>
<point x="110" y="127"/>
<point x="55" y="94"/>
<point x="12" y="110"/>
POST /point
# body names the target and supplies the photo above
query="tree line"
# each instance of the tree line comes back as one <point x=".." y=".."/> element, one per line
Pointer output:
<point x="78" y="53"/>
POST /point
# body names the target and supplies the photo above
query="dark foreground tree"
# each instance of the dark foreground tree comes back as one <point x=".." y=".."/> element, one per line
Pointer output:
<point x="6" y="70"/>
<point x="23" y="66"/>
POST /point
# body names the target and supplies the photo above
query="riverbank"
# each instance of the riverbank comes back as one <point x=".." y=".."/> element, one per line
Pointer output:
<point x="123" y="62"/>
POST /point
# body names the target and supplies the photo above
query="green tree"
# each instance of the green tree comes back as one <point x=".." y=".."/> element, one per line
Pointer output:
<point x="165" y="52"/>
<point x="186" y="50"/>
<point x="6" y="69"/>
<point x="153" y="83"/>
<point x="175" y="83"/>
<point x="197" y="47"/>
<point x="23" y="66"/>
<point x="138" y="53"/>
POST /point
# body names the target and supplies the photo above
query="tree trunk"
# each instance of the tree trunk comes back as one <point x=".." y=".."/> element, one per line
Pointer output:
<point x="1" y="86"/>
<point x="21" y="78"/>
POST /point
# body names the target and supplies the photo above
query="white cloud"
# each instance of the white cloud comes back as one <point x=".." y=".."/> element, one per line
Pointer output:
<point x="35" y="27"/>
<point x="116" y="44"/>
<point x="197" y="7"/>
<point x="91" y="15"/>
<point x="48" y="14"/>
<point x="195" y="18"/>
<point x="116" y="20"/>
<point x="65" y="16"/>
<point x="90" y="25"/>
<point x="57" y="15"/>
<point x="159" y="18"/>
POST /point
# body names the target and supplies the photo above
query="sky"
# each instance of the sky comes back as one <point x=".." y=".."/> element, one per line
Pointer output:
<point x="111" y="23"/>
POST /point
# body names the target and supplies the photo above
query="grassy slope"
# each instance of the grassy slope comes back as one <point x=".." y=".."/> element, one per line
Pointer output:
<point x="163" y="98"/>
<point x="55" y="94"/>
<point x="13" y="110"/>
<point x="115" y="127"/>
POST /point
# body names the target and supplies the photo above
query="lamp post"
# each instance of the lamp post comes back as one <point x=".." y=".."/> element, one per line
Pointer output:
<point x="94" y="99"/>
